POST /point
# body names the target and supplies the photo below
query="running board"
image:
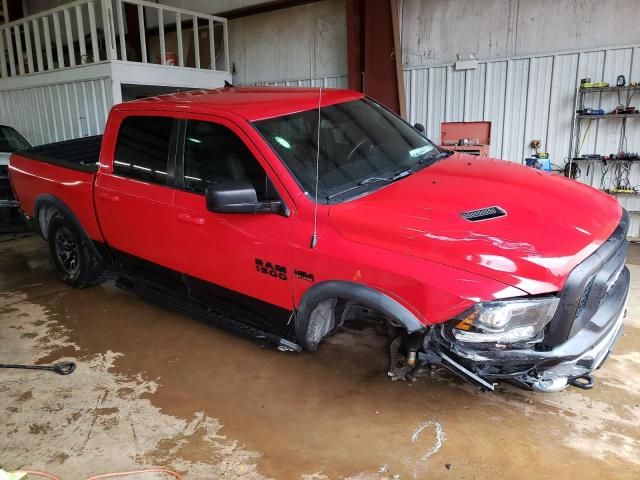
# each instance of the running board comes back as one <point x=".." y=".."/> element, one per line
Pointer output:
<point x="204" y="312"/>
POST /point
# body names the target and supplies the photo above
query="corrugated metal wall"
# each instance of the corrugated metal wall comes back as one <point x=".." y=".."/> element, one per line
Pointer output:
<point x="53" y="113"/>
<point x="340" y="81"/>
<point x="530" y="98"/>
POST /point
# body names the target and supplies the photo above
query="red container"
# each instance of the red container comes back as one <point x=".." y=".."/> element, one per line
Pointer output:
<point x="455" y="131"/>
<point x="477" y="135"/>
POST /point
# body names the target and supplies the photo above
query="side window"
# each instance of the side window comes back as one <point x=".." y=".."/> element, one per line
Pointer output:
<point x="142" y="149"/>
<point x="214" y="154"/>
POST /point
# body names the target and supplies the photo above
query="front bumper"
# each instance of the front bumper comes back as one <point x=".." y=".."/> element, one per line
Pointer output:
<point x="588" y="324"/>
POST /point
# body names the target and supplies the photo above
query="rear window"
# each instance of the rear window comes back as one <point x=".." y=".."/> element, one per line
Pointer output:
<point x="142" y="149"/>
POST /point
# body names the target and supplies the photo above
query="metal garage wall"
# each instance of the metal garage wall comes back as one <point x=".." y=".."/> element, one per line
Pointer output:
<point x="529" y="98"/>
<point x="301" y="42"/>
<point x="54" y="113"/>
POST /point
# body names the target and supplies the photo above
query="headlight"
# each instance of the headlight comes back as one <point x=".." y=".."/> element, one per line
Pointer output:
<point x="508" y="321"/>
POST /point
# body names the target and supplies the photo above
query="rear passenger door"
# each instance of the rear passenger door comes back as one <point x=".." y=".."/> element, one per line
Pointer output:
<point x="133" y="198"/>
<point x="241" y="258"/>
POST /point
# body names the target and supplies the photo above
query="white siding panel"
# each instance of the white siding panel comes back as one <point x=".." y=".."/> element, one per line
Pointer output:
<point x="515" y="113"/>
<point x="455" y="93"/>
<point x="416" y="88"/>
<point x="436" y="100"/>
<point x="562" y="93"/>
<point x="617" y="62"/>
<point x="538" y="96"/>
<point x="590" y="65"/>
<point x="474" y="91"/>
<point x="494" y="105"/>
<point x="633" y="127"/>
<point x="58" y="112"/>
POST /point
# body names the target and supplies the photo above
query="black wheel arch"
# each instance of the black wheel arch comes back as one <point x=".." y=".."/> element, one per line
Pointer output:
<point x="48" y="203"/>
<point x="356" y="292"/>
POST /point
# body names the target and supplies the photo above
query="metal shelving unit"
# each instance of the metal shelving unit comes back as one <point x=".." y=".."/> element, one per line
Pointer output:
<point x="576" y="140"/>
<point x="625" y="95"/>
<point x="608" y="115"/>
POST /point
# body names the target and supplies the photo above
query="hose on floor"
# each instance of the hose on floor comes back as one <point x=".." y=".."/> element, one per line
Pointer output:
<point x="37" y="473"/>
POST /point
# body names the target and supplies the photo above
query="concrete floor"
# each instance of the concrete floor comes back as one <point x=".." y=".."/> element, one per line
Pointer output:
<point x="154" y="387"/>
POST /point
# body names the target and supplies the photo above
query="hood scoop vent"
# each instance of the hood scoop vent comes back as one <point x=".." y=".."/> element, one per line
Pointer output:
<point x="486" y="213"/>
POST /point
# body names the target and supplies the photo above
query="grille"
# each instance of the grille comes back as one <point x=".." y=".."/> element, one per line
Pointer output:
<point x="584" y="297"/>
<point x="588" y="287"/>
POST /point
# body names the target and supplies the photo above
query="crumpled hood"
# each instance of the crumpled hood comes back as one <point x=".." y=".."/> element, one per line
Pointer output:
<point x="551" y="225"/>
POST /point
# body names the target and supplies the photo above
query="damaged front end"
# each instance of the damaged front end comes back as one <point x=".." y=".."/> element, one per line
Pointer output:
<point x="540" y="343"/>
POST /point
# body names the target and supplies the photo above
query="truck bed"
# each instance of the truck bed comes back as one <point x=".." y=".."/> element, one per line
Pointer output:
<point x="64" y="171"/>
<point x="80" y="154"/>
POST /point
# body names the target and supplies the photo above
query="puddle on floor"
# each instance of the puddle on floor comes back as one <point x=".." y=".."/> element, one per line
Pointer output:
<point x="156" y="387"/>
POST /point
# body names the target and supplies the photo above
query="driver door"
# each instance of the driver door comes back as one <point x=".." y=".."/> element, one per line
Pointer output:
<point x="241" y="260"/>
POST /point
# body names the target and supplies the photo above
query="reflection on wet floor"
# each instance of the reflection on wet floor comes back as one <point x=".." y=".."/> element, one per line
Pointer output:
<point x="156" y="387"/>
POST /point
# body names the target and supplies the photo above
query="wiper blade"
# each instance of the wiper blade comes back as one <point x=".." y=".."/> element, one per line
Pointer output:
<point x="396" y="176"/>
<point x="368" y="180"/>
<point x="442" y="155"/>
<point x="372" y="180"/>
<point x="361" y="183"/>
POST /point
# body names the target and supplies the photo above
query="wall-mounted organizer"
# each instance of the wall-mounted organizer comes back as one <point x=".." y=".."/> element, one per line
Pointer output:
<point x="613" y="167"/>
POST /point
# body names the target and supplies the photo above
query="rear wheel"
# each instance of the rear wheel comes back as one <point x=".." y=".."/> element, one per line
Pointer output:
<point x="72" y="255"/>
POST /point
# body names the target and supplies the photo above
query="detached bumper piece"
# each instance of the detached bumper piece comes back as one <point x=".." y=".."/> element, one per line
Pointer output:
<point x="577" y="341"/>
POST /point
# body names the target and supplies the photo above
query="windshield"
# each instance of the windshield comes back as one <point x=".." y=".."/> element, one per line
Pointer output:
<point x="362" y="146"/>
<point x="10" y="140"/>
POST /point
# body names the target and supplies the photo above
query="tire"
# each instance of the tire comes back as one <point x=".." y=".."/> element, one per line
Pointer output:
<point x="72" y="255"/>
<point x="320" y="323"/>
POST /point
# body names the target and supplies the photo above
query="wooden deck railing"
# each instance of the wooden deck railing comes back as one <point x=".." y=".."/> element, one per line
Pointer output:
<point x="90" y="31"/>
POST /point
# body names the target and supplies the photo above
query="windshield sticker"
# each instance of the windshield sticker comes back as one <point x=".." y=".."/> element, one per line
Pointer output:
<point x="418" y="152"/>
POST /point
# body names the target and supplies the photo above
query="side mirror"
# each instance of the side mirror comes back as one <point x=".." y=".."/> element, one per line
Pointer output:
<point x="419" y="127"/>
<point x="237" y="197"/>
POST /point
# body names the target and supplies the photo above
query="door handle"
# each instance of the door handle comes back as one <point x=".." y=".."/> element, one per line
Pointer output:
<point x="186" y="218"/>
<point x="109" y="196"/>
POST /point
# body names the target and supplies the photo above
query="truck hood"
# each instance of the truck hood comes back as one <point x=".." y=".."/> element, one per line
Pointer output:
<point x="551" y="223"/>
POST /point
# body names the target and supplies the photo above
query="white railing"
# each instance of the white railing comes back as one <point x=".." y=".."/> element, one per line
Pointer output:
<point x="199" y="23"/>
<point x="90" y="31"/>
<point x="4" y="12"/>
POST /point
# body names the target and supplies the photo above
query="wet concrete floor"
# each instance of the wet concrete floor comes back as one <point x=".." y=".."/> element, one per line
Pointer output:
<point x="154" y="387"/>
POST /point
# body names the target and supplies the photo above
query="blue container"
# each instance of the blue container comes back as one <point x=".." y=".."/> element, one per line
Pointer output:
<point x="539" y="163"/>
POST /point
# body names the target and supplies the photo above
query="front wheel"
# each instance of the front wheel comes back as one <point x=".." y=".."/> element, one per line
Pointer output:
<point x="75" y="261"/>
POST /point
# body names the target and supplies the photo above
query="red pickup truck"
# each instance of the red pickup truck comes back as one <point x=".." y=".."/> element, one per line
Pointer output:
<point x="281" y="214"/>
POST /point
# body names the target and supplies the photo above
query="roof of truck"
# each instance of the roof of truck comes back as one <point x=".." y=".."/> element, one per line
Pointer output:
<point x="252" y="103"/>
